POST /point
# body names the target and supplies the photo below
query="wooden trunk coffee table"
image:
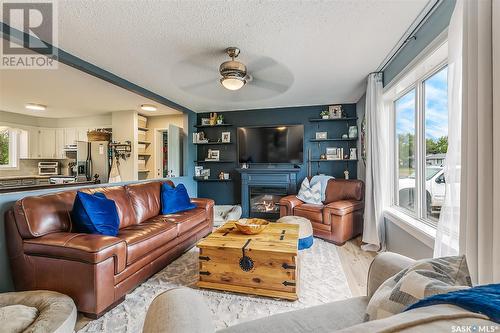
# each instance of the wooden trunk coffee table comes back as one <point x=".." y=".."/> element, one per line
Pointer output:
<point x="265" y="264"/>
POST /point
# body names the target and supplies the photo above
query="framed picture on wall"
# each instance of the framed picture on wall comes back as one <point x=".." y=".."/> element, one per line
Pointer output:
<point x="226" y="137"/>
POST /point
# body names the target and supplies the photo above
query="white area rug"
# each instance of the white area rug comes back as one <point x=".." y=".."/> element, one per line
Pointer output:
<point x="322" y="280"/>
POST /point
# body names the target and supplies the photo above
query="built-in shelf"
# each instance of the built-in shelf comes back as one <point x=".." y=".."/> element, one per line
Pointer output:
<point x="212" y="143"/>
<point x="144" y="155"/>
<point x="220" y="161"/>
<point x="143" y="129"/>
<point x="198" y="179"/>
<point x="333" y="119"/>
<point x="144" y="142"/>
<point x="143" y="171"/>
<point x="339" y="139"/>
<point x="320" y="160"/>
<point x="217" y="125"/>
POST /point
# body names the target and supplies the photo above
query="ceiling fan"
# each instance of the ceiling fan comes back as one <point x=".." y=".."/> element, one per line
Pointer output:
<point x="264" y="77"/>
<point x="234" y="73"/>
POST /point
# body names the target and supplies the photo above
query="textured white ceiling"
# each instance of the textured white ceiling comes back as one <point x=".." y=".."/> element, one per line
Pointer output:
<point x="308" y="52"/>
<point x="67" y="92"/>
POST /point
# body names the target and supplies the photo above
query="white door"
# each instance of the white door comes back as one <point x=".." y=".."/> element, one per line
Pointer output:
<point x="174" y="151"/>
<point x="47" y="143"/>
<point x="159" y="152"/>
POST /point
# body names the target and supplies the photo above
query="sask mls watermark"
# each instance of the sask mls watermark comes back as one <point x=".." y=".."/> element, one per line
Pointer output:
<point x="29" y="33"/>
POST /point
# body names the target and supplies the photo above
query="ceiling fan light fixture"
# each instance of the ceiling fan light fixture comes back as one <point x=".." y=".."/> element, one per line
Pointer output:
<point x="233" y="82"/>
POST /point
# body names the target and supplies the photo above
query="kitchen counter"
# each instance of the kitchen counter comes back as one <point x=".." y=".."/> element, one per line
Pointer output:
<point x="25" y="177"/>
<point x="45" y="186"/>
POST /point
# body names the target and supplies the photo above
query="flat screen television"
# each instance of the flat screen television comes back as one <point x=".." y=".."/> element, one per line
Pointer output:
<point x="271" y="144"/>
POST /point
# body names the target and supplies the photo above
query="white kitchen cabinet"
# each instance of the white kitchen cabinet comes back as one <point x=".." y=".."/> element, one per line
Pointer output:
<point x="70" y="136"/>
<point x="34" y="142"/>
<point x="24" y="143"/>
<point x="60" y="143"/>
<point x="82" y="134"/>
<point x="47" y="143"/>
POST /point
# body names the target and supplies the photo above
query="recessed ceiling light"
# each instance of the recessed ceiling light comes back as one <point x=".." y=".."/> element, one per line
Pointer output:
<point x="35" y="107"/>
<point x="148" y="107"/>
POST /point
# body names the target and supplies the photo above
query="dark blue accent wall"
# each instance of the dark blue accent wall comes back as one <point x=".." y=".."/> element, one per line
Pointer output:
<point x="229" y="192"/>
<point x="437" y="22"/>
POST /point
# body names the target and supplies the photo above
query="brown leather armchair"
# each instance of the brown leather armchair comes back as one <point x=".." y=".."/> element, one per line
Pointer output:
<point x="97" y="271"/>
<point x="339" y="218"/>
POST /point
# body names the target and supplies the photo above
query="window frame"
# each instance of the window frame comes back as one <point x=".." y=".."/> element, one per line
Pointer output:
<point x="13" y="150"/>
<point x="420" y="213"/>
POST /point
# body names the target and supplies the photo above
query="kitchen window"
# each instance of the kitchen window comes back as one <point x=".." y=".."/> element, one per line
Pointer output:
<point x="419" y="110"/>
<point x="8" y="148"/>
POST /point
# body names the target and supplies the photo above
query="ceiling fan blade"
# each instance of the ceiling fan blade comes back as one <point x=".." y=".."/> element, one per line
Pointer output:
<point x="261" y="64"/>
<point x="198" y="84"/>
<point x="203" y="66"/>
<point x="278" y="87"/>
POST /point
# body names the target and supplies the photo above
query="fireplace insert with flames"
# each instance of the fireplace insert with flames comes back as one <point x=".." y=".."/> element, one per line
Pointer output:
<point x="264" y="201"/>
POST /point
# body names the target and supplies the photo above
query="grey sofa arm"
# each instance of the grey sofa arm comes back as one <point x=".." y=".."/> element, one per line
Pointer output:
<point x="385" y="265"/>
<point x="179" y="310"/>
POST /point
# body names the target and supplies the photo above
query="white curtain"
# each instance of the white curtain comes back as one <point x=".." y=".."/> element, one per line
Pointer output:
<point x="377" y="188"/>
<point x="447" y="234"/>
<point x="480" y="179"/>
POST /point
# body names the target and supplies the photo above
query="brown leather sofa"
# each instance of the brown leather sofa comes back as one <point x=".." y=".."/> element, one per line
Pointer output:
<point x="97" y="271"/>
<point x="339" y="218"/>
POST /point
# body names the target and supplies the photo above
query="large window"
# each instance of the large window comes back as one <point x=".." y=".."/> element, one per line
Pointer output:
<point x="405" y="109"/>
<point x="421" y="142"/>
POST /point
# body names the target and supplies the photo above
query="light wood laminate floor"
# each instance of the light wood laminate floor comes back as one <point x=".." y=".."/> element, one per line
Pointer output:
<point x="355" y="263"/>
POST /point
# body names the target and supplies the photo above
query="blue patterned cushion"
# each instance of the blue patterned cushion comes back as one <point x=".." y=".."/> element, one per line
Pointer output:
<point x="310" y="193"/>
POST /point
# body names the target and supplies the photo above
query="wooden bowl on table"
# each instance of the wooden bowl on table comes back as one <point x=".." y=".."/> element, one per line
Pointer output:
<point x="251" y="226"/>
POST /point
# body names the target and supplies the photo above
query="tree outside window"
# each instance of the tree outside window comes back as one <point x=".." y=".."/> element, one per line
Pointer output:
<point x="4" y="147"/>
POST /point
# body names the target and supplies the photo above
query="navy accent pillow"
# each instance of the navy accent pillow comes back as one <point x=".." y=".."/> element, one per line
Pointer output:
<point x="174" y="200"/>
<point x="95" y="214"/>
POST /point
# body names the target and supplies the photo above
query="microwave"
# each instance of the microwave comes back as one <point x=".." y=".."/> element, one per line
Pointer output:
<point x="48" y="168"/>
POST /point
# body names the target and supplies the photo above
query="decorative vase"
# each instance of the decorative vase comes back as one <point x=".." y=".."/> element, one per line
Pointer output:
<point x="213" y="118"/>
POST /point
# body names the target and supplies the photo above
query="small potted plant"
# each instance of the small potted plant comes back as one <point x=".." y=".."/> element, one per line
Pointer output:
<point x="325" y="114"/>
<point x="220" y="119"/>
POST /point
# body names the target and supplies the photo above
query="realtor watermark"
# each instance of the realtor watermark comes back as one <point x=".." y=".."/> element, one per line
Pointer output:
<point x="475" y="328"/>
<point x="30" y="33"/>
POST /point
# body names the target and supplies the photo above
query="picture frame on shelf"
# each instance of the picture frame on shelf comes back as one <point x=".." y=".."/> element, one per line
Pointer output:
<point x="353" y="154"/>
<point x="321" y="135"/>
<point x="334" y="153"/>
<point x="213" y="155"/>
<point x="335" y="111"/>
<point x="197" y="171"/>
<point x="205" y="121"/>
<point x="226" y="137"/>
<point x="199" y="137"/>
<point x="205" y="173"/>
<point x="353" y="132"/>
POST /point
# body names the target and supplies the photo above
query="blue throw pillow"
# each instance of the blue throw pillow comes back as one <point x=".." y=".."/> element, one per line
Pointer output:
<point x="95" y="214"/>
<point x="174" y="200"/>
